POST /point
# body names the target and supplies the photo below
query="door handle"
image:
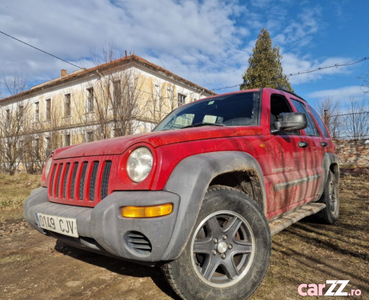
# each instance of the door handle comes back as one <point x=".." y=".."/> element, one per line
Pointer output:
<point x="324" y="144"/>
<point x="303" y="144"/>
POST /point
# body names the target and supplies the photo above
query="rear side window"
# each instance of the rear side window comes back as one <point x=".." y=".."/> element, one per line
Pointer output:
<point x="320" y="122"/>
<point x="311" y="129"/>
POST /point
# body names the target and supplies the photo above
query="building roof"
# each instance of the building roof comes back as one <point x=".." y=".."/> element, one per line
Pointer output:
<point x="101" y="68"/>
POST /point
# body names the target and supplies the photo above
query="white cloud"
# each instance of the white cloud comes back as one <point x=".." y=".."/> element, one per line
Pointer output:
<point x="300" y="29"/>
<point x="342" y="94"/>
<point x="207" y="42"/>
<point x="306" y="69"/>
<point x="189" y="36"/>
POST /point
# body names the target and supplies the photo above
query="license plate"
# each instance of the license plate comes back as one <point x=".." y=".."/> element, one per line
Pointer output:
<point x="65" y="226"/>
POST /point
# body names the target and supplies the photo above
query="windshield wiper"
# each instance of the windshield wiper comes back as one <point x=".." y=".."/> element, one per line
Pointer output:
<point x="203" y="124"/>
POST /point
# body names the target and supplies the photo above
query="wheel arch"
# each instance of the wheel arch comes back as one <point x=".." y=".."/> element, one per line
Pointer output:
<point x="246" y="181"/>
<point x="192" y="177"/>
<point x="329" y="164"/>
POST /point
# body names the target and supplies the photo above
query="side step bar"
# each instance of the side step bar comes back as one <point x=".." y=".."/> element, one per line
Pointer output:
<point x="294" y="216"/>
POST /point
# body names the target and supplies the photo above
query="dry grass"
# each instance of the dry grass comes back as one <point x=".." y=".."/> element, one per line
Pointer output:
<point x="13" y="192"/>
<point x="306" y="252"/>
<point x="309" y="252"/>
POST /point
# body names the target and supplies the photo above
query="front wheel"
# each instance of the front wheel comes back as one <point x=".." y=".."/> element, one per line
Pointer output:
<point x="227" y="255"/>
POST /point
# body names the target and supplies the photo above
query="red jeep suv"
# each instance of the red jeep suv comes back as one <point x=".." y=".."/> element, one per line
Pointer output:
<point x="199" y="196"/>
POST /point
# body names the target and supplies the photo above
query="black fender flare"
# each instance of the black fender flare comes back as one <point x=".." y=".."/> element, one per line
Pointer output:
<point x="190" y="179"/>
<point x="329" y="159"/>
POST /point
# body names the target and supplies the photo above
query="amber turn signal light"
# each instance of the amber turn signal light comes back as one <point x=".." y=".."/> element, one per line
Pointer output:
<point x="147" y="211"/>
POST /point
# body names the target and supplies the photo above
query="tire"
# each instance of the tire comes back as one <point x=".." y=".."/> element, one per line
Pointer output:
<point x="330" y="198"/>
<point x="228" y="252"/>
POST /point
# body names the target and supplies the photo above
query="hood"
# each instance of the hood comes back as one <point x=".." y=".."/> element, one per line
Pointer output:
<point x="118" y="145"/>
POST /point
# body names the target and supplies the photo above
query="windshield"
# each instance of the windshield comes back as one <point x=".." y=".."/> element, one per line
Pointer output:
<point x="241" y="109"/>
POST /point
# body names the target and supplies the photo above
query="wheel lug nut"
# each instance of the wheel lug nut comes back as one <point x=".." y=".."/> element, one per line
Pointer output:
<point x="230" y="246"/>
<point x="223" y="256"/>
<point x="215" y="240"/>
<point x="214" y="252"/>
<point x="224" y="237"/>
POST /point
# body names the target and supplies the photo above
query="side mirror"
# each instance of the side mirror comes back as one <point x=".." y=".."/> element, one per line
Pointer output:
<point x="290" y="122"/>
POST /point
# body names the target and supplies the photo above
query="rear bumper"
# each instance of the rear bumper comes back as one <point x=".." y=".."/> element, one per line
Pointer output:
<point x="103" y="229"/>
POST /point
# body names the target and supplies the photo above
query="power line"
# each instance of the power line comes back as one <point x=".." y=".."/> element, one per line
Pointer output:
<point x="38" y="49"/>
<point x="350" y="114"/>
<point x="329" y="67"/>
<point x="345" y="64"/>
<point x="214" y="89"/>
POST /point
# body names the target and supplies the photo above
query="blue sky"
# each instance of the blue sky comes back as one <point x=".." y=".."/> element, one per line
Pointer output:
<point x="207" y="42"/>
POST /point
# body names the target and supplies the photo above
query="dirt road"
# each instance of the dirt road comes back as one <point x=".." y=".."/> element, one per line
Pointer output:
<point x="305" y="253"/>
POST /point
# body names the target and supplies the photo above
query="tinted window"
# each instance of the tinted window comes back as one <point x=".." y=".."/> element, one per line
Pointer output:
<point x="241" y="109"/>
<point x="320" y="122"/>
<point x="311" y="128"/>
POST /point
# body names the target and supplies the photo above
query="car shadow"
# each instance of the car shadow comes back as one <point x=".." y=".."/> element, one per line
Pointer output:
<point x="118" y="266"/>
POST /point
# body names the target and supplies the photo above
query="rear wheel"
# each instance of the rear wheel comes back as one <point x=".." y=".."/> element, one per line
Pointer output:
<point x="227" y="255"/>
<point x="330" y="198"/>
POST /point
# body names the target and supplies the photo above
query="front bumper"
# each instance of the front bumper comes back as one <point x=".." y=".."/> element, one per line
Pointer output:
<point x="103" y="229"/>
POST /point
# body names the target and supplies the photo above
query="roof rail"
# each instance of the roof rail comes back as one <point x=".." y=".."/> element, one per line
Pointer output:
<point x="284" y="89"/>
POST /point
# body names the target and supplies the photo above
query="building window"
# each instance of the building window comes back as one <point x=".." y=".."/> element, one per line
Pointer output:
<point x="48" y="109"/>
<point x="170" y="97"/>
<point x="37" y="111"/>
<point x="67" y="140"/>
<point x="181" y="99"/>
<point x="67" y="105"/>
<point x="8" y="117"/>
<point x="37" y="149"/>
<point x="48" y="146"/>
<point x="90" y="99"/>
<point x="117" y="93"/>
<point x="117" y="132"/>
<point x="21" y="146"/>
<point x="20" y="113"/>
<point x="90" y="136"/>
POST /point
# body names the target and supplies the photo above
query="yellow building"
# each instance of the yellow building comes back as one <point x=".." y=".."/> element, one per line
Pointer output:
<point x="126" y="96"/>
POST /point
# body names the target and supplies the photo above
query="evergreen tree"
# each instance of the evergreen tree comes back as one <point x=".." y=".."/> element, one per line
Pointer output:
<point x="265" y="68"/>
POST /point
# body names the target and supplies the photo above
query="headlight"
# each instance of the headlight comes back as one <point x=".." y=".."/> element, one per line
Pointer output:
<point x="46" y="170"/>
<point x="48" y="166"/>
<point x="139" y="164"/>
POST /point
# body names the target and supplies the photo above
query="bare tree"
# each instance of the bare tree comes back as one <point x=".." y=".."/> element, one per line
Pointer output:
<point x="42" y="135"/>
<point x="114" y="100"/>
<point x="160" y="102"/>
<point x="13" y="126"/>
<point x="357" y="119"/>
<point x="125" y="103"/>
<point x="365" y="80"/>
<point x="329" y="107"/>
<point x="15" y="83"/>
<point x="107" y="53"/>
<point x="33" y="156"/>
<point x="117" y="103"/>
